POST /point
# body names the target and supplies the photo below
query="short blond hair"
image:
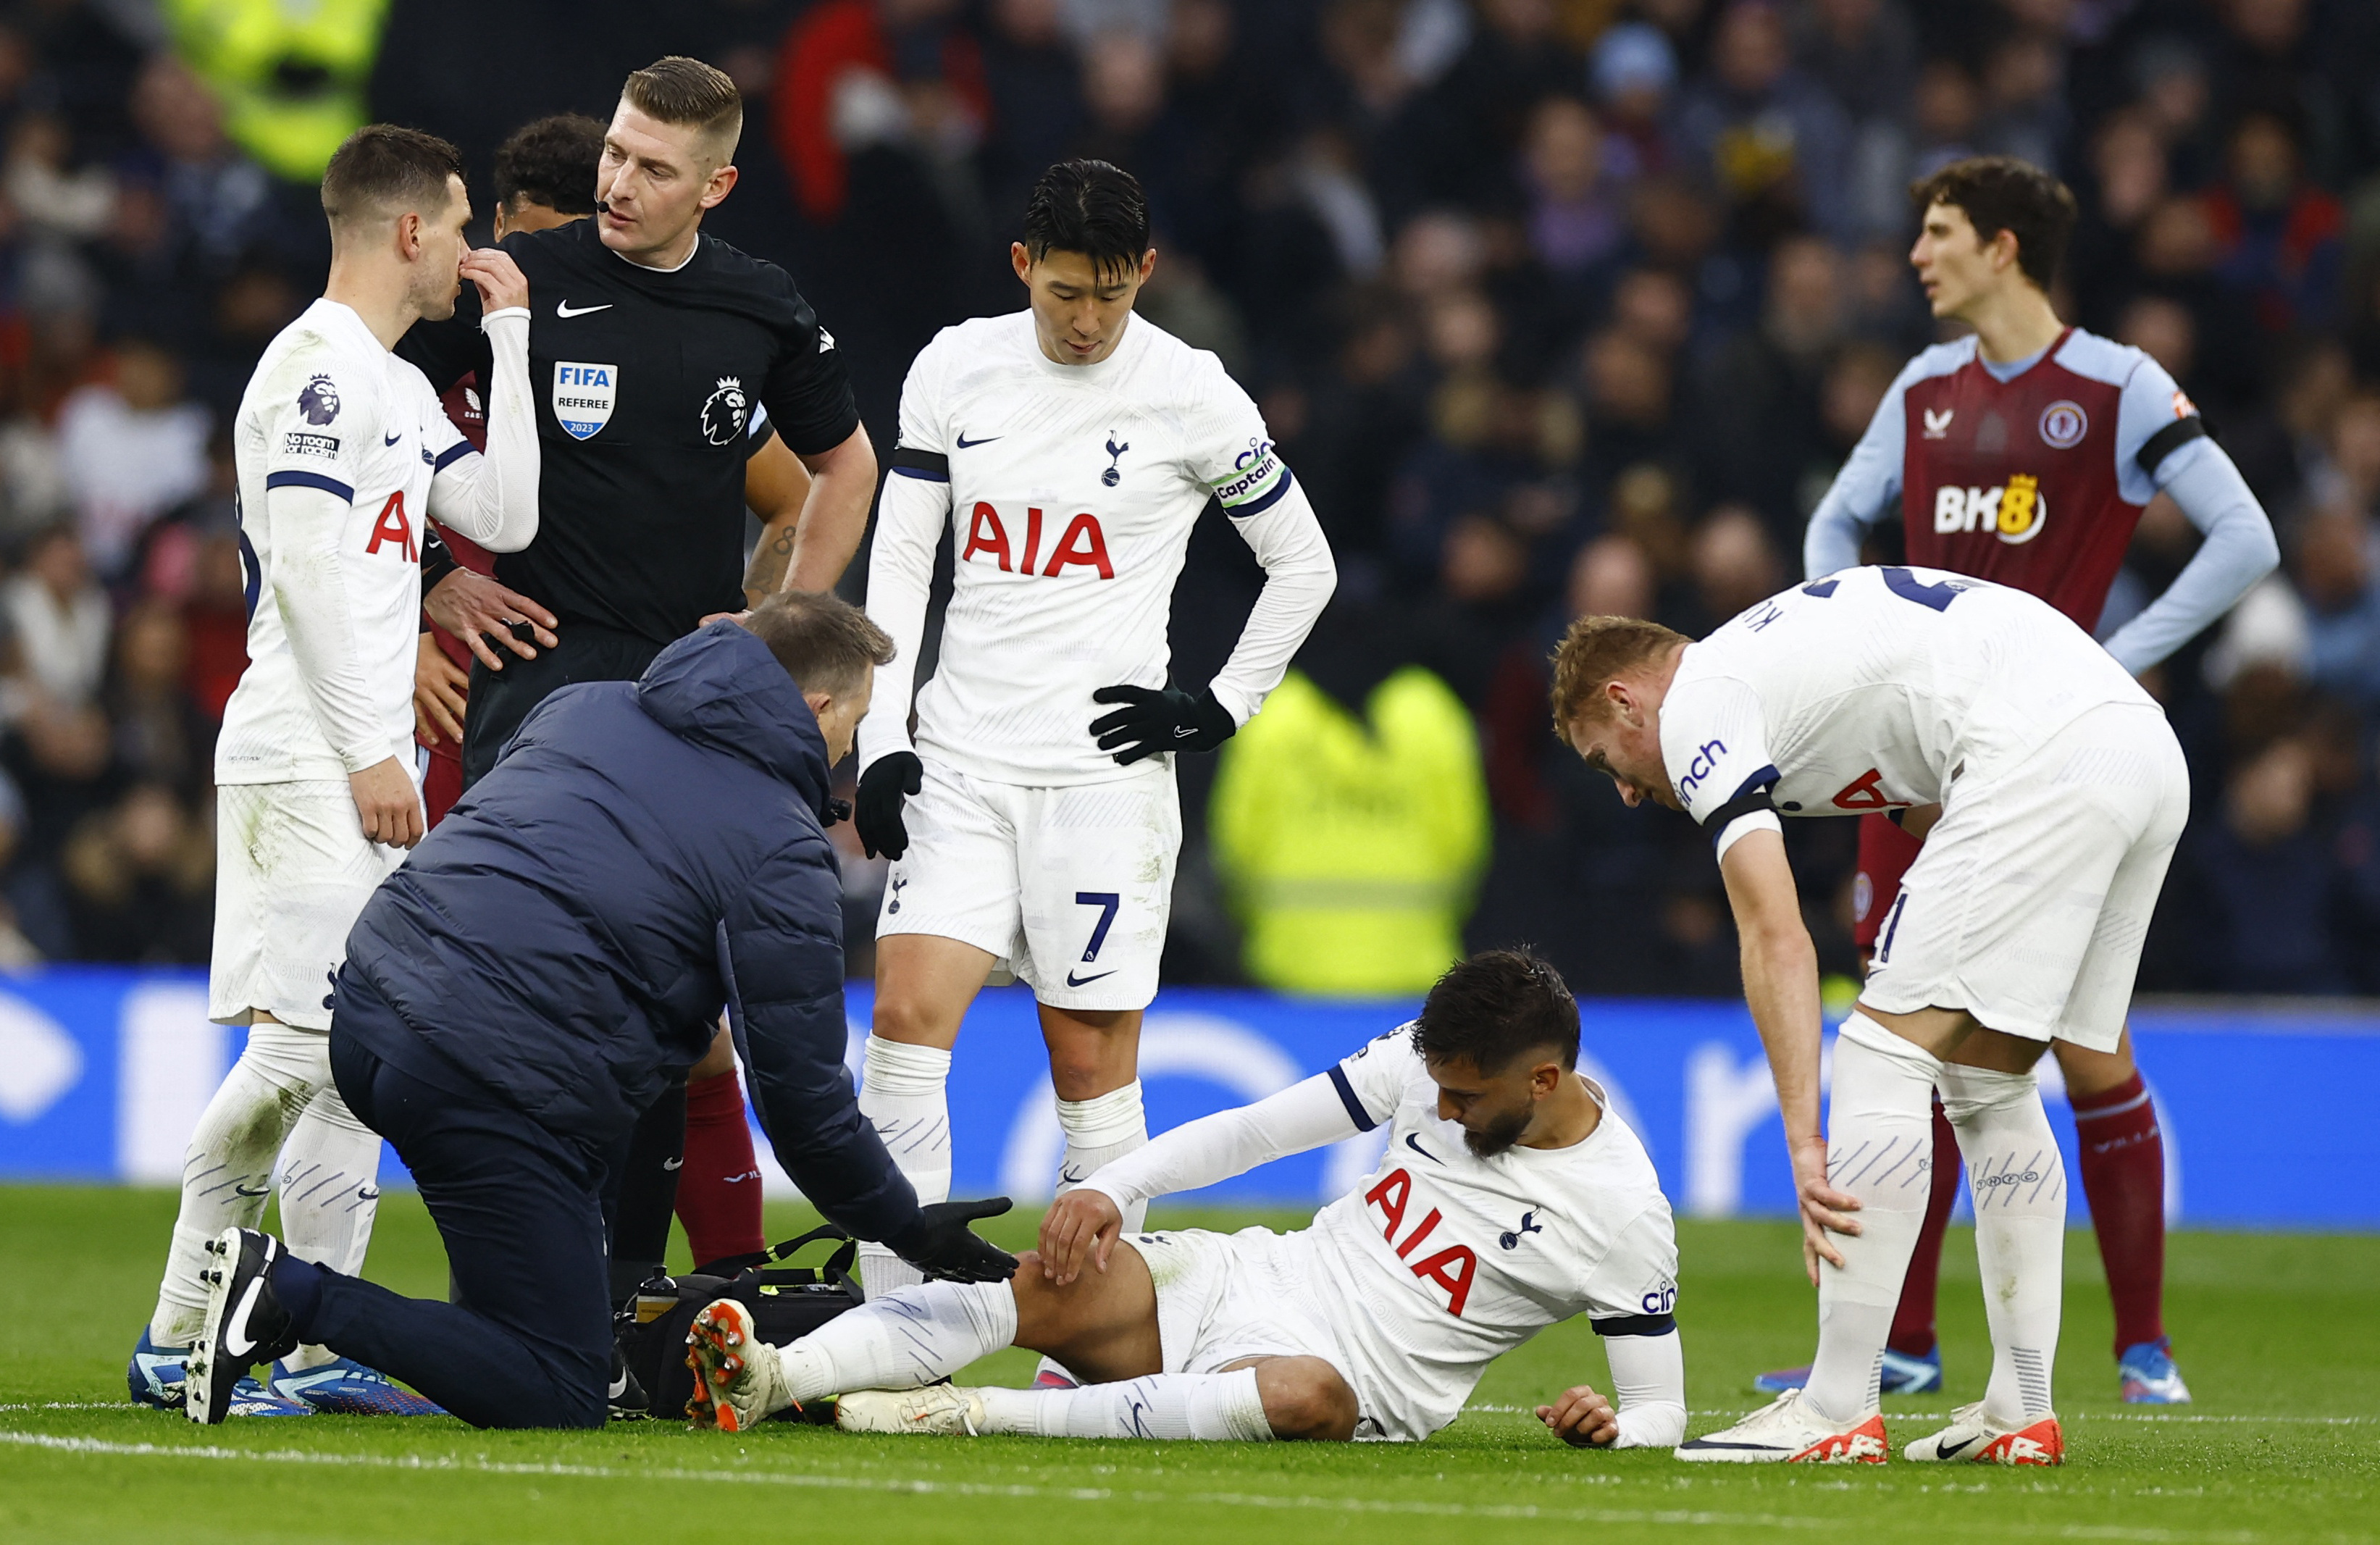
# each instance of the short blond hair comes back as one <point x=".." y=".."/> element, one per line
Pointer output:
<point x="1598" y="651"/>
<point x="687" y="92"/>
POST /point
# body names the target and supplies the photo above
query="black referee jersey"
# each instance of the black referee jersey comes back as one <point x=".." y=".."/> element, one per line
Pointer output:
<point x="646" y="382"/>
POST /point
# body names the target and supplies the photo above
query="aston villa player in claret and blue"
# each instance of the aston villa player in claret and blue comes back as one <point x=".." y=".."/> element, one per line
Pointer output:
<point x="2024" y="453"/>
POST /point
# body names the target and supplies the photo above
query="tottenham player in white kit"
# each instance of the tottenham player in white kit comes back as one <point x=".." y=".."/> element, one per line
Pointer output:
<point x="342" y="450"/>
<point x="2049" y="792"/>
<point x="1509" y="1198"/>
<point x="1069" y="448"/>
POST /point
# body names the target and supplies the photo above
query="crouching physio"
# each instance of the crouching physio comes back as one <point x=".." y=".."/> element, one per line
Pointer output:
<point x="1510" y="1197"/>
<point x="513" y="997"/>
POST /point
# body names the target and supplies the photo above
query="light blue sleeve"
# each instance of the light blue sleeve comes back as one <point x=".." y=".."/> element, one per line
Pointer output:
<point x="1864" y="491"/>
<point x="2239" y="550"/>
<point x="2149" y="402"/>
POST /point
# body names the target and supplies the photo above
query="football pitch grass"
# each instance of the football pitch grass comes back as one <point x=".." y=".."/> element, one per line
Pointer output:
<point x="2279" y="1334"/>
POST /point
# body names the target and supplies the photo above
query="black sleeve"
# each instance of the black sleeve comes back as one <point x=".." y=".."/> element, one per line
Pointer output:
<point x="438" y="561"/>
<point x="781" y="957"/>
<point x="807" y="394"/>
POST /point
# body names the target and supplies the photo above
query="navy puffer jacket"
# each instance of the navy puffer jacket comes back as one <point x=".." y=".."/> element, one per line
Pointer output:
<point x="644" y="853"/>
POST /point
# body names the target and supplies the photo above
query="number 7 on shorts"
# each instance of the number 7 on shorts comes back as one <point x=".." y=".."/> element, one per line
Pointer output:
<point x="1108" y="902"/>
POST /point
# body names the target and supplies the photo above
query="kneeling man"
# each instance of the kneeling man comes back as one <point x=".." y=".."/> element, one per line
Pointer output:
<point x="2048" y="791"/>
<point x="517" y="994"/>
<point x="1509" y="1198"/>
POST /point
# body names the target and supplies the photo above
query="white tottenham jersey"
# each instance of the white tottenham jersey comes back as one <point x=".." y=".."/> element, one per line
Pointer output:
<point x="1443" y="1260"/>
<point x="1867" y="691"/>
<point x="331" y="410"/>
<point x="1073" y="490"/>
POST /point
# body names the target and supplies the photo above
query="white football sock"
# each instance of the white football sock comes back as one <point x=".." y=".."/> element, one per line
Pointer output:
<point x="1168" y="1406"/>
<point x="2017" y="1180"/>
<point x="1102" y="1130"/>
<point x="902" y="1340"/>
<point x="1879" y="1148"/>
<point x="329" y="1186"/>
<point x="904" y="1096"/>
<point x="228" y="1169"/>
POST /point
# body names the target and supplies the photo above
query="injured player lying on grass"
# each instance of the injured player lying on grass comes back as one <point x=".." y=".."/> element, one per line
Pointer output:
<point x="1509" y="1198"/>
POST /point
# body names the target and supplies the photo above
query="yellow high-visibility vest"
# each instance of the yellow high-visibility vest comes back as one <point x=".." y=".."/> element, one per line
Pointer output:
<point x="291" y="73"/>
<point x="1351" y="847"/>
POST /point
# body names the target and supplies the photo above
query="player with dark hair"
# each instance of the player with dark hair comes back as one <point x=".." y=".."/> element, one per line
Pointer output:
<point x="1509" y="1198"/>
<point x="652" y="354"/>
<point x="1069" y="448"/>
<point x="342" y="453"/>
<point x="2024" y="454"/>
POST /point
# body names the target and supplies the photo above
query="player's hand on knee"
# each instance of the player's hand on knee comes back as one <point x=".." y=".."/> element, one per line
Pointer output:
<point x="1582" y="1419"/>
<point x="1824" y="1208"/>
<point x="440" y="690"/>
<point x="474" y="608"/>
<point x="501" y="283"/>
<point x="1081" y="1224"/>
<point x="876" y="813"/>
<point x="1151" y="721"/>
<point x="941" y="1245"/>
<point x="387" y="803"/>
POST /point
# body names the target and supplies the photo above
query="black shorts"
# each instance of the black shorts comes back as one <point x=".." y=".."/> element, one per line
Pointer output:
<point x="501" y="700"/>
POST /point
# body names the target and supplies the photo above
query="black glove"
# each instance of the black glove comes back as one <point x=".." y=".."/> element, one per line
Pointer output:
<point x="875" y="814"/>
<point x="1152" y="721"/>
<point x="941" y="1245"/>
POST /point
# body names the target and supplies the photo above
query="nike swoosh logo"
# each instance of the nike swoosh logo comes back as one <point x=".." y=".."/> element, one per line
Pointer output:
<point x="619" y="1386"/>
<point x="239" y="1345"/>
<point x="564" y="309"/>
<point x="1415" y="1143"/>
<point x="265" y="1189"/>
<point x="739" y="1179"/>
<point x="967" y="444"/>
<point x="1948" y="1450"/>
<point x="391" y="439"/>
<point x="368" y="1193"/>
<point x="1071" y="1178"/>
<point x="1071" y="981"/>
<point x="672" y="1164"/>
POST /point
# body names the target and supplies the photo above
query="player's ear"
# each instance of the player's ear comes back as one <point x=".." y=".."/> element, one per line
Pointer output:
<point x="722" y="182"/>
<point x="1021" y="260"/>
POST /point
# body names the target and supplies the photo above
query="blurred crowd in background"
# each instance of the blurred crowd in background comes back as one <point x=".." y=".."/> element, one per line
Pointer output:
<point x="1556" y="306"/>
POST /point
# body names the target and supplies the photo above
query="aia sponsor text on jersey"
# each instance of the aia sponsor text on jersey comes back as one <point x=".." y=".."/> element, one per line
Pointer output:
<point x="1014" y="543"/>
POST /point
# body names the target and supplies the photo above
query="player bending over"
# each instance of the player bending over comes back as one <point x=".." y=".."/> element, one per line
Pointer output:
<point x="1069" y="447"/>
<point x="1509" y="1198"/>
<point x="342" y="450"/>
<point x="2024" y="454"/>
<point x="2050" y="792"/>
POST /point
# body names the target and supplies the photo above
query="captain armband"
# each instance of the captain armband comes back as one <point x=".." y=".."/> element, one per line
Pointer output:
<point x="1258" y="479"/>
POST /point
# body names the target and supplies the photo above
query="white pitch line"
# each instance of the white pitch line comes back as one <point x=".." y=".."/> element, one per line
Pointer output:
<point x="2075" y="1416"/>
<point x="1689" y="1518"/>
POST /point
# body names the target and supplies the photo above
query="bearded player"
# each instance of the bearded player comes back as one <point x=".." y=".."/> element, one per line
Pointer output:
<point x="2024" y="454"/>
<point x="1509" y="1198"/>
<point x="1069" y="448"/>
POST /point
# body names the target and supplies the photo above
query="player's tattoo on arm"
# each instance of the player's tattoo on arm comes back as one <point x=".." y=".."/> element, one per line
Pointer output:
<point x="765" y="575"/>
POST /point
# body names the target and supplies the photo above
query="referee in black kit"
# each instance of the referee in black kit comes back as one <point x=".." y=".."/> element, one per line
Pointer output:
<point x="651" y="345"/>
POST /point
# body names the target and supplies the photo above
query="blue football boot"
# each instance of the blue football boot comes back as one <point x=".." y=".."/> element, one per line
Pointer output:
<point x="156" y="1375"/>
<point x="1902" y="1375"/>
<point x="345" y="1388"/>
<point x="2148" y="1376"/>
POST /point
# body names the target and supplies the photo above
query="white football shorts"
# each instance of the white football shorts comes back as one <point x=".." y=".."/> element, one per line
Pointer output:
<point x="1071" y="886"/>
<point x="2028" y="905"/>
<point x="293" y="868"/>
<point x="1225" y="1297"/>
